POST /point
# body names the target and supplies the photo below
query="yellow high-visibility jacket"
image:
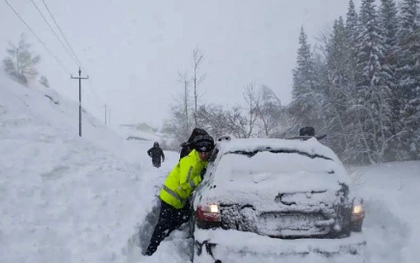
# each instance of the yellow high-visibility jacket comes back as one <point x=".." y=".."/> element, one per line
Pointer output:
<point x="182" y="180"/>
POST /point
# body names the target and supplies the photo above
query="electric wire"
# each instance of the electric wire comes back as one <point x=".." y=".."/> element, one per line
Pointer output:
<point x="73" y="56"/>
<point x="30" y="29"/>
<point x="66" y="48"/>
<point x="62" y="34"/>
<point x="90" y="89"/>
<point x="94" y="94"/>
<point x="93" y="97"/>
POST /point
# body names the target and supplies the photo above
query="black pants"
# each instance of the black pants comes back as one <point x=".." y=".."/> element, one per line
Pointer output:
<point x="170" y="219"/>
<point x="156" y="162"/>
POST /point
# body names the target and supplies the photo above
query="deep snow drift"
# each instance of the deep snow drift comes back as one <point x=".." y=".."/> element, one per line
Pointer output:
<point x="69" y="199"/>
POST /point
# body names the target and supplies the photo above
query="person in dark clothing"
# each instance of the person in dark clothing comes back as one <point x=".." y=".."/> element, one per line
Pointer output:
<point x="306" y="133"/>
<point x="157" y="155"/>
<point x="186" y="147"/>
<point x="178" y="188"/>
<point x="169" y="220"/>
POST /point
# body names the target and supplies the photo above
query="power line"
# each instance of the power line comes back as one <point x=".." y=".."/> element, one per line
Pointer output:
<point x="93" y="92"/>
<point x="23" y="21"/>
<point x="73" y="55"/>
<point x="66" y="48"/>
<point x="62" y="34"/>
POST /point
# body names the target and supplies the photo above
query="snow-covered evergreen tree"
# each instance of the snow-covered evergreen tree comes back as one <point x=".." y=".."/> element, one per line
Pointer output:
<point x="340" y="72"/>
<point x="20" y="64"/>
<point x="389" y="24"/>
<point x="372" y="112"/>
<point x="306" y="105"/>
<point x="352" y="33"/>
<point x="408" y="77"/>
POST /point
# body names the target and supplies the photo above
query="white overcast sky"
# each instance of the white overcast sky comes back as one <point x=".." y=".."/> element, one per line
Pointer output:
<point x="132" y="50"/>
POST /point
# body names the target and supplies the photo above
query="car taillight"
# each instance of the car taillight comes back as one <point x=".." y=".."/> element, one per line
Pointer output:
<point x="358" y="213"/>
<point x="209" y="213"/>
<point x="358" y="209"/>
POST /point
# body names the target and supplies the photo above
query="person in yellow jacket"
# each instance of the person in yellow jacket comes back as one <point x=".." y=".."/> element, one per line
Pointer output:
<point x="177" y="189"/>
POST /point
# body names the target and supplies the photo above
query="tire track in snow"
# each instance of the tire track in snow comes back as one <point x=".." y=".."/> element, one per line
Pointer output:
<point x="386" y="234"/>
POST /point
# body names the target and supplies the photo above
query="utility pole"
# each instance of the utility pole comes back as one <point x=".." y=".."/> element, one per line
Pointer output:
<point x="105" y="113"/>
<point x="80" y="98"/>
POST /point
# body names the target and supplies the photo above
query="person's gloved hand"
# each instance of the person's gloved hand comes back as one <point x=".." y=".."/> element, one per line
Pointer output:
<point x="202" y="172"/>
<point x="184" y="190"/>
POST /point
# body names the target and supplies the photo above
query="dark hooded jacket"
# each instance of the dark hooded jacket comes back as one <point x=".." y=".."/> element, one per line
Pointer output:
<point x="187" y="146"/>
<point x="157" y="155"/>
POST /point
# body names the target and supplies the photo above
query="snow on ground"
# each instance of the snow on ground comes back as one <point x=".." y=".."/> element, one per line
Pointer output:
<point x="69" y="199"/>
<point x="392" y="197"/>
<point x="64" y="198"/>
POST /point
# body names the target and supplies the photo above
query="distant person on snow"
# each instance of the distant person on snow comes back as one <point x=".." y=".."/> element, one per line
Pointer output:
<point x="177" y="189"/>
<point x="157" y="154"/>
<point x="186" y="146"/>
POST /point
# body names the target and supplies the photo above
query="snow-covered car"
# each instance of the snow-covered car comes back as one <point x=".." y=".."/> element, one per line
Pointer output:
<point x="266" y="199"/>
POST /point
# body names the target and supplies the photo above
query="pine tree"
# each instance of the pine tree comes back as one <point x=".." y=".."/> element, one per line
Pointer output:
<point x="408" y="77"/>
<point x="352" y="34"/>
<point x="389" y="24"/>
<point x="20" y="64"/>
<point x="373" y="110"/>
<point x="340" y="74"/>
<point x="306" y="105"/>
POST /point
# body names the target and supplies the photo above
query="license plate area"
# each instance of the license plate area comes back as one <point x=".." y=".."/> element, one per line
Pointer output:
<point x="291" y="224"/>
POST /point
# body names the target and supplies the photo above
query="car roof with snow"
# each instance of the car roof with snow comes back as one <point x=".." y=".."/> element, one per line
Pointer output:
<point x="271" y="166"/>
<point x="311" y="147"/>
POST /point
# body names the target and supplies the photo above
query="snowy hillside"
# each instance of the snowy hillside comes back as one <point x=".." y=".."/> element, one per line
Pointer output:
<point x="64" y="198"/>
<point x="69" y="199"/>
